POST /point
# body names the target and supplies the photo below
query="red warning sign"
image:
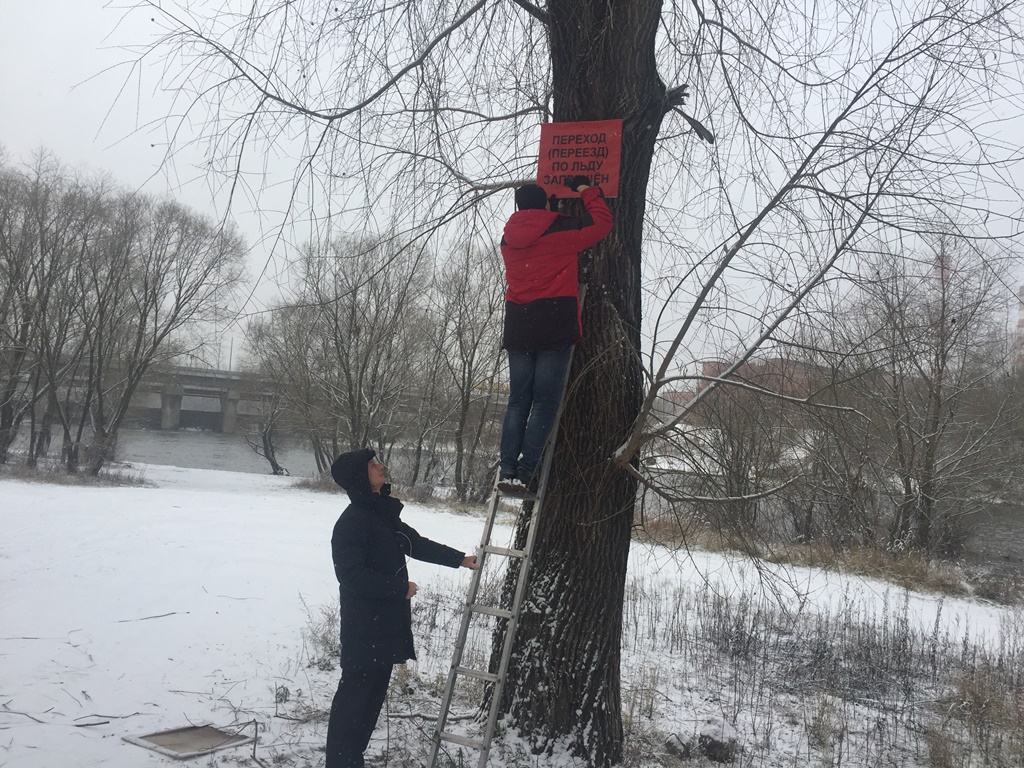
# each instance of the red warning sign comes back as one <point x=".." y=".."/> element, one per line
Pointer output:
<point x="569" y="149"/>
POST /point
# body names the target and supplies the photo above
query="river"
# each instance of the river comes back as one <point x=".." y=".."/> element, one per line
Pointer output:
<point x="198" y="449"/>
<point x="997" y="541"/>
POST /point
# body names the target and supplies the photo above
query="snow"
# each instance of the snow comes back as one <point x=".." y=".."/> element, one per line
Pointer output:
<point x="126" y="610"/>
<point x="158" y="607"/>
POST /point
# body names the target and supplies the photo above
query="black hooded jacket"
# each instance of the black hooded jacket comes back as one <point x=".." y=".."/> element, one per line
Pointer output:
<point x="369" y="547"/>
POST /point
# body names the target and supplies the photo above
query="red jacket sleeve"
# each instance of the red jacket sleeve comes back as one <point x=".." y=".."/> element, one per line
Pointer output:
<point x="592" y="234"/>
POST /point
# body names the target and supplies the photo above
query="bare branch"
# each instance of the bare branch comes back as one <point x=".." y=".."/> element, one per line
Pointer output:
<point x="538" y="13"/>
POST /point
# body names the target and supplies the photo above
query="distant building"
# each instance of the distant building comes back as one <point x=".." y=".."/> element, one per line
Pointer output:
<point x="775" y="374"/>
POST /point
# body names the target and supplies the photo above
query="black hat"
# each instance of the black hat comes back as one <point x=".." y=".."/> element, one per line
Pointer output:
<point x="531" y="196"/>
<point x="349" y="471"/>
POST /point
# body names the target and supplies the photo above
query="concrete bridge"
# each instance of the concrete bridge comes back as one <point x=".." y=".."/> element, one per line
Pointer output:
<point x="192" y="398"/>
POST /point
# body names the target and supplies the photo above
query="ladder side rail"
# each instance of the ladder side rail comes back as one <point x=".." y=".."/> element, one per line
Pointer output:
<point x="460" y="643"/>
<point x="517" y="605"/>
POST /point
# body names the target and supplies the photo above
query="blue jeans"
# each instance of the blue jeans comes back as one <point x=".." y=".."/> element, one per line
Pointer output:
<point x="536" y="380"/>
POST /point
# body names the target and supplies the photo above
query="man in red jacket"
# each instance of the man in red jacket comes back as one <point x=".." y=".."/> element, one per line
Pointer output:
<point x="540" y="249"/>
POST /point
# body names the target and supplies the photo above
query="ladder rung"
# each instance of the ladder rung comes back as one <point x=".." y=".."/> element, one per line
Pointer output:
<point x="517" y="496"/>
<point x="501" y="613"/>
<point x="463" y="740"/>
<point x="488" y="676"/>
<point x="505" y="551"/>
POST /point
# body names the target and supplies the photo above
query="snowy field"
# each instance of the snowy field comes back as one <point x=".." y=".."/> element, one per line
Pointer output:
<point x="130" y="610"/>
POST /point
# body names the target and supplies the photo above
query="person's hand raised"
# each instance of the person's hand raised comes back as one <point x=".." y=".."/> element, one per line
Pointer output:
<point x="578" y="183"/>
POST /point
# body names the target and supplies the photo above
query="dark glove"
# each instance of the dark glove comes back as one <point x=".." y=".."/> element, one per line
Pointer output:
<point x="576" y="181"/>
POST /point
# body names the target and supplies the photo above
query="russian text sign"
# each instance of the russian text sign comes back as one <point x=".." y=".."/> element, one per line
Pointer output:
<point x="569" y="149"/>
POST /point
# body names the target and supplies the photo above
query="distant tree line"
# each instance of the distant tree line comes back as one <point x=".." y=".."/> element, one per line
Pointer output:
<point x="97" y="284"/>
<point x="887" y="419"/>
<point x="384" y="343"/>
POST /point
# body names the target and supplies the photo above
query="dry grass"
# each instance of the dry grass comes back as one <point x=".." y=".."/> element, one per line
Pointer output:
<point x="848" y="685"/>
<point x="987" y="702"/>
<point x="53" y="473"/>
<point x="911" y="570"/>
<point x="908" y="569"/>
<point x="323" y="483"/>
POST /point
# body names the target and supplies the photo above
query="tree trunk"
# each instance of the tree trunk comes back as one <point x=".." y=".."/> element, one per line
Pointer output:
<point x="460" y="458"/>
<point x="574" y="603"/>
<point x="45" y="436"/>
<point x="417" y="460"/>
<point x="102" y="449"/>
<point x="8" y="427"/>
<point x="270" y="451"/>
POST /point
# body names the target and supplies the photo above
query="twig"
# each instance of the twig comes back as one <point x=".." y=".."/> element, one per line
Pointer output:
<point x="159" y="616"/>
<point x="72" y="697"/>
<point x="538" y="13"/>
<point x="23" y="714"/>
<point x="255" y="741"/>
<point x="421" y="716"/>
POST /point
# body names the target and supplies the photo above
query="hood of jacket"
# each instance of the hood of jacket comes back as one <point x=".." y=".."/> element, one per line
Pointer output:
<point x="525" y="227"/>
<point x="351" y="471"/>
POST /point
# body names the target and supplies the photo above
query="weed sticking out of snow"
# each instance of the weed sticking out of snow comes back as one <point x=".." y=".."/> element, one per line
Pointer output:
<point x="860" y="682"/>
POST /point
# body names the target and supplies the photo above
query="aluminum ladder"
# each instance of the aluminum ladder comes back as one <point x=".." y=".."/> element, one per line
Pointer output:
<point x="472" y="607"/>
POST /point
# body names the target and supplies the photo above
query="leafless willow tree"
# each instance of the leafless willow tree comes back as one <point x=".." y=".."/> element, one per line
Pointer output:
<point x="19" y="291"/>
<point x="340" y="347"/>
<point x="158" y="269"/>
<point x="836" y="125"/>
<point x="274" y="344"/>
<point x="375" y="349"/>
<point x="922" y="355"/>
<point x="97" y="284"/>
<point x="468" y="305"/>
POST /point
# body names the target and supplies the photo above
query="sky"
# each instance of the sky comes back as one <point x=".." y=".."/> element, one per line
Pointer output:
<point x="63" y="65"/>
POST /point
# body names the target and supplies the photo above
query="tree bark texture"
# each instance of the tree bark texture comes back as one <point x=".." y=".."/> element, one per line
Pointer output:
<point x="563" y="683"/>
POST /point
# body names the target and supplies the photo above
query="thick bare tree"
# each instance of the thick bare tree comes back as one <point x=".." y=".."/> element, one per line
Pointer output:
<point x="830" y="135"/>
<point x="159" y="269"/>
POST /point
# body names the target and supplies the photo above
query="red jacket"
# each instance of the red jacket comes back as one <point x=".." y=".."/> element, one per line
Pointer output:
<point x="541" y="249"/>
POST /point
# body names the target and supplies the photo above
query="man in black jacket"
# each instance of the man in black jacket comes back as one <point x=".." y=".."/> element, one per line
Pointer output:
<point x="369" y="547"/>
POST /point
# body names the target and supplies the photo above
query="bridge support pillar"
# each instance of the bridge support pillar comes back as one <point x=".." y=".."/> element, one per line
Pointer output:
<point x="170" y="407"/>
<point x="229" y="412"/>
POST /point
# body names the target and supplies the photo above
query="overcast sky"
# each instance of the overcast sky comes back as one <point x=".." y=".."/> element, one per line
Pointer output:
<point x="62" y="65"/>
<point x="57" y="87"/>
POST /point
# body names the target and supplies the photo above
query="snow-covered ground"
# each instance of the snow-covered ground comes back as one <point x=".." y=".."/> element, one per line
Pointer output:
<point x="133" y="609"/>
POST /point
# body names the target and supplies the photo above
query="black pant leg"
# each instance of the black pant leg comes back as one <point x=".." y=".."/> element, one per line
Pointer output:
<point x="377" y="690"/>
<point x="357" y="702"/>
